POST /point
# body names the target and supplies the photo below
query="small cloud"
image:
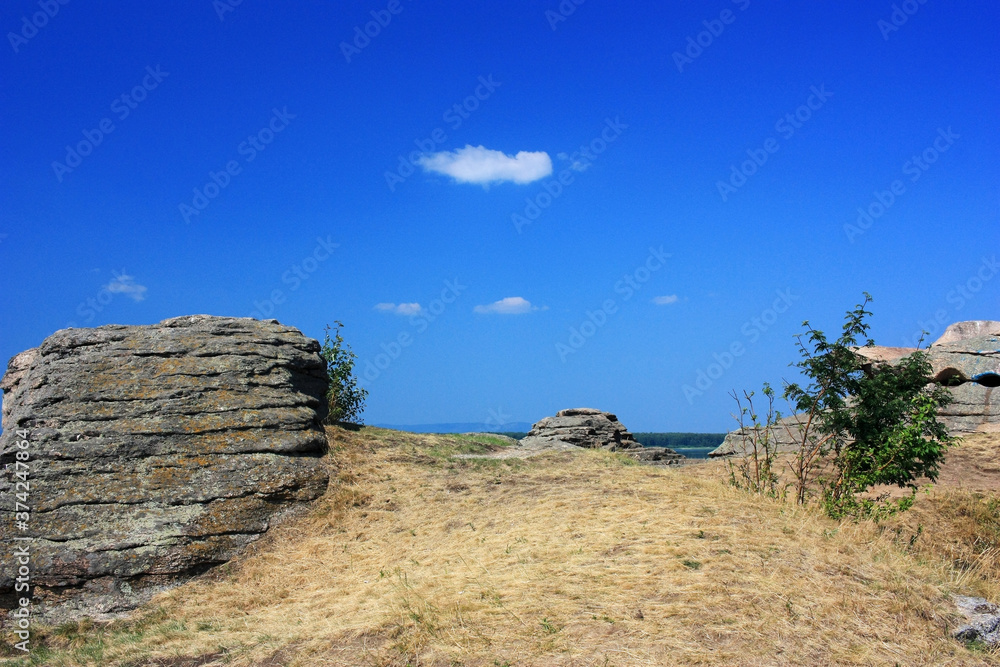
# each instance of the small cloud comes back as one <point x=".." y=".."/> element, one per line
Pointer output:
<point x="399" y="309"/>
<point x="478" y="164"/>
<point x="665" y="300"/>
<point x="512" y="305"/>
<point x="576" y="164"/>
<point x="125" y="284"/>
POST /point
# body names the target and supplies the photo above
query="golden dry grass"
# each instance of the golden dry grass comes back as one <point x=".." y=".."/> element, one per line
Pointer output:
<point x="570" y="558"/>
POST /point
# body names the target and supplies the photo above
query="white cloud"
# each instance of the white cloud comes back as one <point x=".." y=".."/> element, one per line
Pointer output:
<point x="478" y="164"/>
<point x="665" y="300"/>
<point x="511" y="305"/>
<point x="125" y="284"/>
<point x="576" y="164"/>
<point x="400" y="308"/>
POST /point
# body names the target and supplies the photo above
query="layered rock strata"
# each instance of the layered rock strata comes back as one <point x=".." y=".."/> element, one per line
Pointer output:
<point x="154" y="453"/>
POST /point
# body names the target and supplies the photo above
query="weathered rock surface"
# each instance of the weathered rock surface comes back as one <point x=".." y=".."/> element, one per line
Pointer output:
<point x="966" y="359"/>
<point x="594" y="429"/>
<point x="882" y="353"/>
<point x="155" y="453"/>
<point x="784" y="437"/>
<point x="969" y="329"/>
<point x="982" y="621"/>
<point x="971" y="368"/>
<point x="974" y="359"/>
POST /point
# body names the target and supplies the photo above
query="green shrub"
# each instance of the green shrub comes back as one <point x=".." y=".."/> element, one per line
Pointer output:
<point x="878" y="420"/>
<point x="345" y="398"/>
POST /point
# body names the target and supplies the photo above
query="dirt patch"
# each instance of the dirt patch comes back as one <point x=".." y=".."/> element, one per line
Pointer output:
<point x="974" y="464"/>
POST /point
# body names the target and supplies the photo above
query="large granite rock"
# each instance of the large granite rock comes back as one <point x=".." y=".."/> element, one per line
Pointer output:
<point x="966" y="359"/>
<point x="595" y="429"/>
<point x="155" y="453"/>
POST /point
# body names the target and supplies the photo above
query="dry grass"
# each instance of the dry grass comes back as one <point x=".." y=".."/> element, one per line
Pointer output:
<point x="959" y="521"/>
<point x="575" y="558"/>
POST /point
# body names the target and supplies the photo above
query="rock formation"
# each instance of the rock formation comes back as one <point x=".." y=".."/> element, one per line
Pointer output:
<point x="969" y="329"/>
<point x="966" y="359"/>
<point x="155" y="453"/>
<point x="594" y="429"/>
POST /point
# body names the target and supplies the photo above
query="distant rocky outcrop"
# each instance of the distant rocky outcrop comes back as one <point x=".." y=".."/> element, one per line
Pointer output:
<point x="966" y="359"/>
<point x="968" y="329"/>
<point x="594" y="429"/>
<point x="154" y="453"/>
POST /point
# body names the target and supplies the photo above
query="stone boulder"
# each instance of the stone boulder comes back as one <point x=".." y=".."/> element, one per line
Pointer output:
<point x="982" y="621"/>
<point x="970" y="368"/>
<point x="595" y="429"/>
<point x="154" y="453"/>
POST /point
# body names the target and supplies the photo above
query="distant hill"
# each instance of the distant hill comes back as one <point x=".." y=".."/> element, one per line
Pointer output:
<point x="459" y="427"/>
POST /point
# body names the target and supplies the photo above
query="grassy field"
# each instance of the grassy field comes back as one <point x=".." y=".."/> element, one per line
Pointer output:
<point x="416" y="557"/>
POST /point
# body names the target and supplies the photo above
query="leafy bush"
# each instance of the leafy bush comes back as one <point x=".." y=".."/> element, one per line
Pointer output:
<point x="345" y="398"/>
<point x="878" y="421"/>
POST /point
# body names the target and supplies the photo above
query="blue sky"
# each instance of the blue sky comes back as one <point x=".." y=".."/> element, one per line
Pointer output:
<point x="521" y="206"/>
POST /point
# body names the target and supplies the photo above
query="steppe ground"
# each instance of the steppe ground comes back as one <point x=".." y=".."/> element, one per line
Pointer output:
<point x="417" y="557"/>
